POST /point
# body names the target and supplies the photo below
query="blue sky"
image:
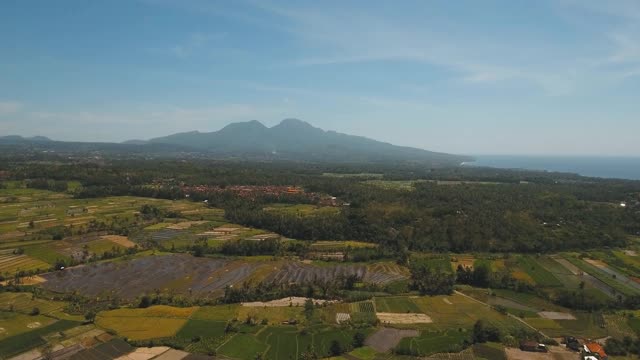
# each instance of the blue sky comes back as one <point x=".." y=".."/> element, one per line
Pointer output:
<point x="473" y="77"/>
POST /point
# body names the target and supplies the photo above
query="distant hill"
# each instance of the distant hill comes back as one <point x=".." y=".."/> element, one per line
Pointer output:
<point x="20" y="139"/>
<point x="290" y="140"/>
<point x="294" y="139"/>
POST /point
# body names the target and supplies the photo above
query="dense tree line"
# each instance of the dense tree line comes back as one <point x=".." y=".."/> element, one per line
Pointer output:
<point x="523" y="211"/>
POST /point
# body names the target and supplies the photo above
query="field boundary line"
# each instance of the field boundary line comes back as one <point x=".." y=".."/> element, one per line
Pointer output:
<point x="508" y="314"/>
<point x="226" y="341"/>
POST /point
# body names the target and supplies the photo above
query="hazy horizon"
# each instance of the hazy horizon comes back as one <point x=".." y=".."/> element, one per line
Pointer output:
<point x="554" y="77"/>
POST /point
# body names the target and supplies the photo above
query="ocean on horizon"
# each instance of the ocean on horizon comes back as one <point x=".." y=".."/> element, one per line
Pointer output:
<point x="602" y="167"/>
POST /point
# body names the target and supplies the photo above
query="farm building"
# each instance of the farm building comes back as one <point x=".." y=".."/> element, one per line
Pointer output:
<point x="594" y="348"/>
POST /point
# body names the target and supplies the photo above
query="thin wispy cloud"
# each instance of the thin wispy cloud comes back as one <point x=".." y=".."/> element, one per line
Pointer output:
<point x="463" y="76"/>
<point x="10" y="107"/>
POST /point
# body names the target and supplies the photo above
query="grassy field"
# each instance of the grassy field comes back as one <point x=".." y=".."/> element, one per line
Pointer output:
<point x="340" y="245"/>
<point x="242" y="346"/>
<point x="101" y="246"/>
<point x="396" y="304"/>
<point x="202" y="328"/>
<point x="46" y="252"/>
<point x="288" y="342"/>
<point x="457" y="311"/>
<point x="15" y="323"/>
<point x="24" y="303"/>
<point x="394" y="184"/>
<point x="19" y="343"/>
<point x="359" y="175"/>
<point x="11" y="263"/>
<point x="301" y="209"/>
<point x="274" y="315"/>
<point x="29" y="218"/>
<point x="217" y="313"/>
<point x="433" y="342"/>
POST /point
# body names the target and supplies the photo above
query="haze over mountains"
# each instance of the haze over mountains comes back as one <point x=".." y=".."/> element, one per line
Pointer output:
<point x="291" y="139"/>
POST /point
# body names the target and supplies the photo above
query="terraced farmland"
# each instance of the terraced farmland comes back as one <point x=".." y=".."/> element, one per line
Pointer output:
<point x="177" y="273"/>
<point x="11" y="263"/>
<point x="299" y="273"/>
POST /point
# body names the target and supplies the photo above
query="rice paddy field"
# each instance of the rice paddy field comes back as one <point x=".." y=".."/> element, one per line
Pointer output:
<point x="30" y="218"/>
<point x="301" y="209"/>
<point x="32" y="222"/>
<point x="149" y="323"/>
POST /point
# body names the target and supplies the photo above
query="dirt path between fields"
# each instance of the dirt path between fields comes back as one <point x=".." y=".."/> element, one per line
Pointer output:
<point x="511" y="315"/>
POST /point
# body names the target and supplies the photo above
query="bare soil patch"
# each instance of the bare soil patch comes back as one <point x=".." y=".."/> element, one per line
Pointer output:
<point x="173" y="355"/>
<point x="29" y="280"/>
<point x="386" y="339"/>
<point x="289" y="301"/>
<point x="555" y="353"/>
<point x="631" y="253"/>
<point x="554" y="315"/>
<point x="596" y="263"/>
<point x="120" y="240"/>
<point x="185" y="225"/>
<point x="403" y="318"/>
<point x="144" y="353"/>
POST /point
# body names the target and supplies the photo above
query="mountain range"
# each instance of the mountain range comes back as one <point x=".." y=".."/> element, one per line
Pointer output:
<point x="291" y="139"/>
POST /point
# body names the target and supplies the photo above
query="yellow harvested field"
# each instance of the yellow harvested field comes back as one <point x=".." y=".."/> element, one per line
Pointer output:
<point x="596" y="263"/>
<point x="162" y="311"/>
<point x="152" y="322"/>
<point x="140" y="328"/>
<point x="497" y="265"/>
<point x="185" y="225"/>
<point x="400" y="318"/>
<point x="522" y="276"/>
<point x="119" y="240"/>
<point x="27" y="280"/>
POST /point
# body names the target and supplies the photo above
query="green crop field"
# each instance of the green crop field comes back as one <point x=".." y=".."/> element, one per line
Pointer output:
<point x="288" y="342"/>
<point x="457" y="311"/>
<point x="242" y="346"/>
<point x="301" y="209"/>
<point x="218" y="313"/>
<point x="202" y="328"/>
<point x="273" y="314"/>
<point x="538" y="272"/>
<point x="364" y="353"/>
<point x="19" y="343"/>
<point x="396" y="304"/>
<point x="25" y="303"/>
<point x="46" y="252"/>
<point x="101" y="246"/>
<point x="14" y="323"/>
<point x="428" y="343"/>
<point x="10" y="264"/>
